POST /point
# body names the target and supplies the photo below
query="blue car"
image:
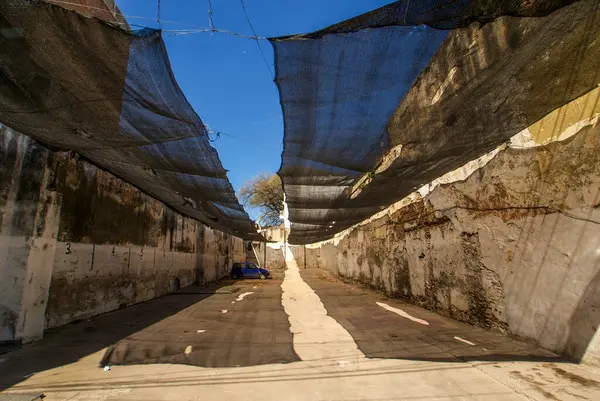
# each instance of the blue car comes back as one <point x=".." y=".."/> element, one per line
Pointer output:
<point x="249" y="270"/>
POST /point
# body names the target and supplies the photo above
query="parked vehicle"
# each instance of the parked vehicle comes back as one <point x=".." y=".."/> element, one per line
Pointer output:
<point x="249" y="270"/>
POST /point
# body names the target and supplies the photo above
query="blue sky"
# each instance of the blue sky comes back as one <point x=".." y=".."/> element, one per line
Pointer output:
<point x="225" y="78"/>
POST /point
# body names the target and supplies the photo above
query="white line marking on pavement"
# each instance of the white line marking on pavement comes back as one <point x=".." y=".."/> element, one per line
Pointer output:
<point x="241" y="296"/>
<point x="188" y="350"/>
<point x="402" y="313"/>
<point x="463" y="340"/>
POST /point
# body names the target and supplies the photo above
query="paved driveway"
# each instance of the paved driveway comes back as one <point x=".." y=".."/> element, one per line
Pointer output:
<point x="306" y="337"/>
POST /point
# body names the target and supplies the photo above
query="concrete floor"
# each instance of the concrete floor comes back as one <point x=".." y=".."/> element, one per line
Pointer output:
<point x="306" y="337"/>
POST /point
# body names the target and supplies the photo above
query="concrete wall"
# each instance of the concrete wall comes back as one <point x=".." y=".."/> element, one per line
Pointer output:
<point x="76" y="241"/>
<point x="275" y="234"/>
<point x="306" y="258"/>
<point x="28" y="232"/>
<point x="220" y="252"/>
<point x="274" y="255"/>
<point x="513" y="247"/>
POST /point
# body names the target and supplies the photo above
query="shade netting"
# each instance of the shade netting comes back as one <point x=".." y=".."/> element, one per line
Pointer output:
<point x="78" y="83"/>
<point x="379" y="105"/>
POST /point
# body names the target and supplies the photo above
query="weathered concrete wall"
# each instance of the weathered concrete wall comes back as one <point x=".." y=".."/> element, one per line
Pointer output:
<point x="220" y="252"/>
<point x="274" y="255"/>
<point x="76" y="241"/>
<point x="275" y="260"/>
<point x="29" y="211"/>
<point x="306" y="257"/>
<point x="513" y="247"/>
<point x="28" y="229"/>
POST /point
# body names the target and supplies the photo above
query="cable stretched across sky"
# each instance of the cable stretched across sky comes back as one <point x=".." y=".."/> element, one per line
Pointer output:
<point x="159" y="21"/>
<point x="256" y="39"/>
<point x="136" y="123"/>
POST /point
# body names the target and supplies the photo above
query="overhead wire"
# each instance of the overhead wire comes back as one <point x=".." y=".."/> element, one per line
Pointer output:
<point x="217" y="135"/>
<point x="225" y="31"/>
<point x="256" y="40"/>
<point x="198" y="28"/>
<point x="158" y="14"/>
<point x="211" y="23"/>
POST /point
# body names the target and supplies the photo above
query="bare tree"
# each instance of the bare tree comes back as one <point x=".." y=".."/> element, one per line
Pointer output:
<point x="265" y="193"/>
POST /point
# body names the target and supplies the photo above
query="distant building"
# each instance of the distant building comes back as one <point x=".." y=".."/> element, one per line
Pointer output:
<point x="275" y="233"/>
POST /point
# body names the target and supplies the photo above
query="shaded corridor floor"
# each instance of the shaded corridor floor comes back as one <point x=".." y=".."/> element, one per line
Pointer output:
<point x="397" y="358"/>
<point x="187" y="327"/>
<point x="381" y="333"/>
<point x="223" y="330"/>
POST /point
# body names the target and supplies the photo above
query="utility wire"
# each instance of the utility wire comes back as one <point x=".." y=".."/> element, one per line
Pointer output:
<point x="176" y="32"/>
<point x="256" y="36"/>
<point x="217" y="135"/>
<point x="199" y="29"/>
<point x="211" y="23"/>
<point x="158" y="14"/>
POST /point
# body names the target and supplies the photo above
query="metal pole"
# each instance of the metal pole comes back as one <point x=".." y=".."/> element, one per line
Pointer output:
<point x="305" y="256"/>
<point x="265" y="254"/>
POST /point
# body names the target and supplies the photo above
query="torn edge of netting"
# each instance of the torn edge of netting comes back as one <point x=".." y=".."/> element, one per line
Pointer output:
<point x="76" y="82"/>
<point x="438" y="14"/>
<point x="448" y="116"/>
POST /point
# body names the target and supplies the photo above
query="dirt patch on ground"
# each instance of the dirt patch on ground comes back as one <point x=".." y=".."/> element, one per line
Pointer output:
<point x="574" y="377"/>
<point x="537" y="386"/>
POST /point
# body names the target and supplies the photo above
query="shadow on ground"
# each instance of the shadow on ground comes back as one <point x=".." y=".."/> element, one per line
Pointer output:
<point x="218" y="332"/>
<point x="158" y="331"/>
<point x="380" y="333"/>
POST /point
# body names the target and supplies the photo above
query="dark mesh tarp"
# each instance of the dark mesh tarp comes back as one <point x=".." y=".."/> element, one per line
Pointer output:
<point x="448" y="80"/>
<point x="78" y="83"/>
